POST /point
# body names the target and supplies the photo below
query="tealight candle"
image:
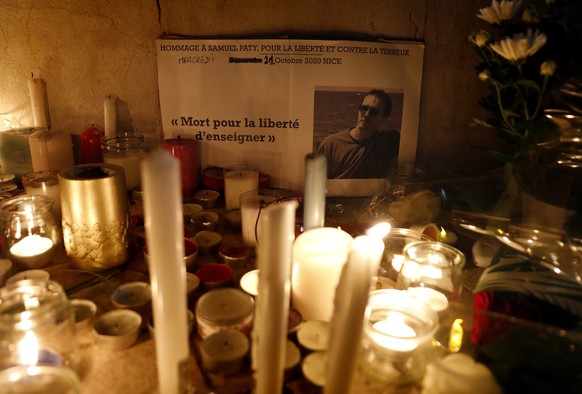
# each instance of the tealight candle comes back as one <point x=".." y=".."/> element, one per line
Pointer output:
<point x="224" y="351"/>
<point x="208" y="241"/>
<point x="136" y="296"/>
<point x="313" y="368"/>
<point x="314" y="334"/>
<point x="214" y="276"/>
<point x="205" y="221"/>
<point x="435" y="299"/>
<point x="33" y="250"/>
<point x="117" y="329"/>
<point x="213" y="178"/>
<point x="224" y="309"/>
<point x="238" y="179"/>
<point x="249" y="282"/>
<point x="235" y="255"/>
<point x="206" y="198"/>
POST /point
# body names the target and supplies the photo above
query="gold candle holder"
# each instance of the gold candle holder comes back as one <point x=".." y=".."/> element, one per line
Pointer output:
<point x="95" y="211"/>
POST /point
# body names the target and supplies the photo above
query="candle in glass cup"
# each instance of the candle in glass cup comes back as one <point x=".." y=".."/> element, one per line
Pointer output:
<point x="398" y="339"/>
<point x="239" y="178"/>
<point x="434" y="265"/>
<point x="44" y="183"/>
<point x="252" y="204"/>
<point x="127" y="151"/>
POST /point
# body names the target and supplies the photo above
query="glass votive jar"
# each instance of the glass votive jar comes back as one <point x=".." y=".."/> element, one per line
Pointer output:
<point x="403" y="179"/>
<point x="394" y="244"/>
<point x="30" y="233"/>
<point x="39" y="380"/>
<point x="44" y="183"/>
<point x="252" y="202"/>
<point x="239" y="178"/>
<point x="397" y="340"/>
<point x="37" y="325"/>
<point x="127" y="151"/>
<point x="433" y="272"/>
<point x="224" y="309"/>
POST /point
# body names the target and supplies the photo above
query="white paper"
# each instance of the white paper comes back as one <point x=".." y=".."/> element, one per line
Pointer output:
<point x="269" y="102"/>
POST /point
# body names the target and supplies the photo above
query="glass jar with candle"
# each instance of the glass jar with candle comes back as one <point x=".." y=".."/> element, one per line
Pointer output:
<point x="125" y="150"/>
<point x="30" y="232"/>
<point x="44" y="183"/>
<point x="397" y="341"/>
<point x="432" y="271"/>
<point x="37" y="326"/>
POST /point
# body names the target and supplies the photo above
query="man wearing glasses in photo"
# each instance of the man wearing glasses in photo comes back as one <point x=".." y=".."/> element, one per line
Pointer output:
<point x="363" y="151"/>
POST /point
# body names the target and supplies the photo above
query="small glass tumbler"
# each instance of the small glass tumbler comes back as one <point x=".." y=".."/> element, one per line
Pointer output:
<point x="37" y="325"/>
<point x="433" y="272"/>
<point x="394" y="244"/>
<point x="30" y="233"/>
<point x="403" y="179"/>
<point x="397" y="342"/>
<point x="44" y="183"/>
<point x="239" y="178"/>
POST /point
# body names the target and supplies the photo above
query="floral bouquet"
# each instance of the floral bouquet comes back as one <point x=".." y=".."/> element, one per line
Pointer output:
<point x="528" y="55"/>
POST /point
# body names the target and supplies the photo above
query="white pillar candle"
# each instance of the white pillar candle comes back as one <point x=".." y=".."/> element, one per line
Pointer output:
<point x="237" y="180"/>
<point x="318" y="258"/>
<point x="165" y="239"/>
<point x="110" y="115"/>
<point x="314" y="193"/>
<point x="351" y="298"/>
<point x="51" y="150"/>
<point x="38" y="101"/>
<point x="274" y="260"/>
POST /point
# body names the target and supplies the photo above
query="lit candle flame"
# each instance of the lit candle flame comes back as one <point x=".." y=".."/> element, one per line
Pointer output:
<point x="379" y="230"/>
<point x="28" y="349"/>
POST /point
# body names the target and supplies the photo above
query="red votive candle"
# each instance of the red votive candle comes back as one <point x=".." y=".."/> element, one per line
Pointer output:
<point x="185" y="149"/>
<point x="90" y="145"/>
<point x="235" y="255"/>
<point x="214" y="276"/>
<point x="213" y="178"/>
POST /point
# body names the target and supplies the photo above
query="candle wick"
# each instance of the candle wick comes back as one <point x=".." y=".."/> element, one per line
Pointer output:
<point x="179" y="138"/>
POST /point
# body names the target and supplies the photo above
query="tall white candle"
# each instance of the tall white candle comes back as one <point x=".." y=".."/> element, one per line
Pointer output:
<point x="351" y="298"/>
<point x="314" y="193"/>
<point x="318" y="258"/>
<point x="162" y="195"/>
<point x="38" y="101"/>
<point x="51" y="150"/>
<point x="236" y="182"/>
<point x="271" y="318"/>
<point x="110" y="115"/>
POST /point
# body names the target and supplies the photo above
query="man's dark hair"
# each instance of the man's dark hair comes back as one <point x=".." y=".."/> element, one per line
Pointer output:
<point x="384" y="97"/>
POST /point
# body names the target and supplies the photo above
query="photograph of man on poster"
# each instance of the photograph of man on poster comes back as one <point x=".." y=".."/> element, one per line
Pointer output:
<point x="357" y="130"/>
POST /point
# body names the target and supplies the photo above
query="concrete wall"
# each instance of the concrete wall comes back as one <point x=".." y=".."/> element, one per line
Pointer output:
<point x="88" y="49"/>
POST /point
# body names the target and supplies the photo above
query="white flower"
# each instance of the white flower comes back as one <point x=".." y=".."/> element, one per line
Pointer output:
<point x="520" y="46"/>
<point x="548" y="68"/>
<point x="499" y="11"/>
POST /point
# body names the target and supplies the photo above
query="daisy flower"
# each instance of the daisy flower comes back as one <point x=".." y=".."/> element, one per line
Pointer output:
<point x="499" y="11"/>
<point x="520" y="46"/>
